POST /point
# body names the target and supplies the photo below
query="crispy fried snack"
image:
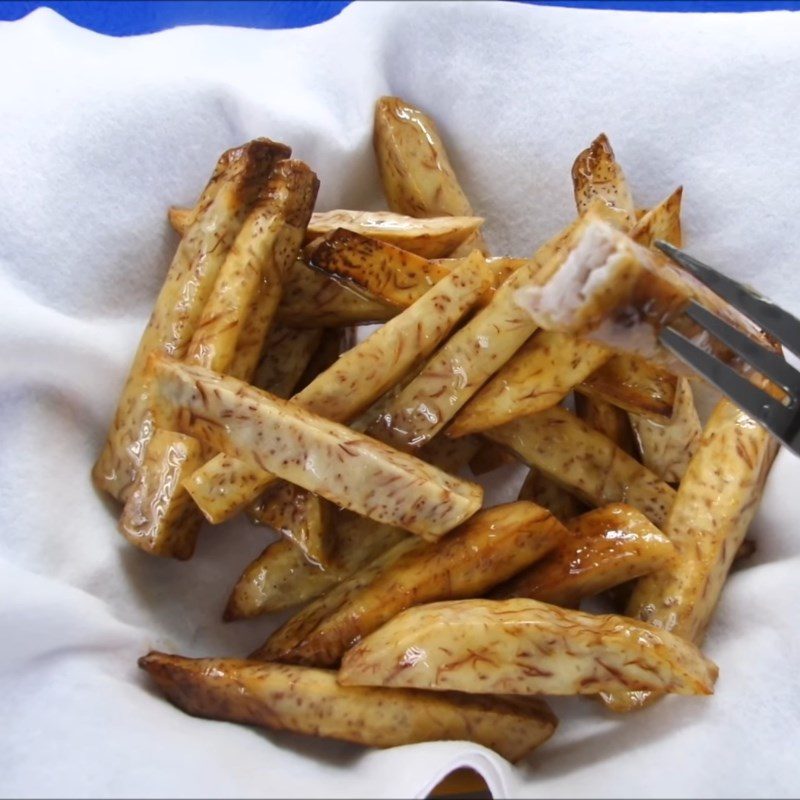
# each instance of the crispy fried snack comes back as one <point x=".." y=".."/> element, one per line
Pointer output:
<point x="538" y="376"/>
<point x="486" y="550"/>
<point x="282" y="577"/>
<point x="522" y="646"/>
<point x="716" y="502"/>
<point x="350" y="469"/>
<point x="415" y="170"/>
<point x="435" y="237"/>
<point x="605" y="548"/>
<point x="584" y="461"/>
<point x="310" y="701"/>
<point x="359" y="376"/>
<point x="239" y="176"/>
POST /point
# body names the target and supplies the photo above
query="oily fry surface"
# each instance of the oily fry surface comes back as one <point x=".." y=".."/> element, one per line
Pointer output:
<point x="522" y="646"/>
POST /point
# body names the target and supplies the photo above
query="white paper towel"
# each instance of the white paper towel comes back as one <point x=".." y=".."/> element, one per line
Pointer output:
<point x="100" y="135"/>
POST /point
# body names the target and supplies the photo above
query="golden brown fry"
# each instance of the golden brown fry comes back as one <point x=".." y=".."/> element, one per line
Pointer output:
<point x="610" y="290"/>
<point x="667" y="449"/>
<point x="488" y="549"/>
<point x="605" y="548"/>
<point x="471" y="356"/>
<point x="538" y="376"/>
<point x="158" y="516"/>
<point x="661" y="222"/>
<point x="716" y="502"/>
<point x="280" y="437"/>
<point x="367" y="371"/>
<point x="585" y="462"/>
<point x="181" y="219"/>
<point x="187" y="286"/>
<point x="615" y="292"/>
<point x="501" y="267"/>
<point x="300" y="516"/>
<point x="218" y="486"/>
<point x="597" y="175"/>
<point x="548" y="494"/>
<point x="363" y="373"/>
<point x="281" y="577"/>
<point x="395" y="276"/>
<point x="312" y="300"/>
<point x="522" y="646"/>
<point x="435" y="237"/>
<point x="607" y="419"/>
<point x="310" y="701"/>
<point x="230" y="332"/>
<point x="415" y="170"/>
<point x="286" y="354"/>
<point x="634" y="385"/>
<point x="239" y="312"/>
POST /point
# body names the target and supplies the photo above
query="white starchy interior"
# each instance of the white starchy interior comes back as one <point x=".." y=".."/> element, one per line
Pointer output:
<point x="588" y="267"/>
<point x="105" y="133"/>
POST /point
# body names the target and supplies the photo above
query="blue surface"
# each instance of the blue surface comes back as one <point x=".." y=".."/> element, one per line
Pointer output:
<point x="128" y="17"/>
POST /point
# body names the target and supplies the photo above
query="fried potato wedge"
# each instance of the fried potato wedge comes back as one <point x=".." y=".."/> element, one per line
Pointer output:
<point x="610" y="290"/>
<point x="239" y="312"/>
<point x="310" y="701"/>
<point x="597" y="175"/>
<point x="607" y="419"/>
<point x="486" y="550"/>
<point x="415" y="170"/>
<point x="305" y="622"/>
<point x="187" y="286"/>
<point x="544" y="492"/>
<point x="286" y="354"/>
<point x="605" y="548"/>
<point x="434" y="237"/>
<point x="180" y="218"/>
<point x="634" y="385"/>
<point x="501" y="267"/>
<point x="538" y="376"/>
<point x="327" y="458"/>
<point x="522" y="646"/>
<point x="363" y="373"/>
<point x="223" y="486"/>
<point x="668" y="449"/>
<point x="662" y="221"/>
<point x="237" y="316"/>
<point x="282" y="577"/>
<point x="395" y="276"/>
<point x="716" y="501"/>
<point x="615" y="292"/>
<point x="585" y="462"/>
<point x="302" y="517"/>
<point x="169" y="526"/>
<point x="471" y="356"/>
<point x="313" y="300"/>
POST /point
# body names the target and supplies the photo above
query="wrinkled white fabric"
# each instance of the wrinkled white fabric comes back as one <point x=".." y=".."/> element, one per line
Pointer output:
<point x="99" y="135"/>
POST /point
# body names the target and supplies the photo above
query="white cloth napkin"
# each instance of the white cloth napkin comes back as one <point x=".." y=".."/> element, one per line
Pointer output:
<point x="99" y="135"/>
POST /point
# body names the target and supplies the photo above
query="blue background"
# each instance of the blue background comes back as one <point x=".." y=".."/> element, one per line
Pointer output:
<point x="145" y="16"/>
